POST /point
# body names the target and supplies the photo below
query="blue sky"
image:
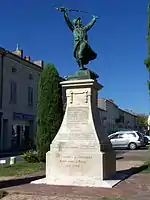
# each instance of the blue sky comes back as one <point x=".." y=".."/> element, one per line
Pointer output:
<point x="119" y="38"/>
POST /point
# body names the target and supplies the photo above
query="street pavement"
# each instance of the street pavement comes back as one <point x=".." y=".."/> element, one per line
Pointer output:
<point x="120" y="152"/>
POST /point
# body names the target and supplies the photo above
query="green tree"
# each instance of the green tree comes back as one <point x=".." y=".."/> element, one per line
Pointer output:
<point x="142" y="120"/>
<point x="49" y="109"/>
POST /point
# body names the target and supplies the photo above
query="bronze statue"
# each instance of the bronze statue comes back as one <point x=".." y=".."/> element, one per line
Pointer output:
<point x="83" y="53"/>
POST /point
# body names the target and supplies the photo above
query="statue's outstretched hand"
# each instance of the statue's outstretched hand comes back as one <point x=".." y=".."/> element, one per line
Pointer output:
<point x="61" y="9"/>
<point x="95" y="17"/>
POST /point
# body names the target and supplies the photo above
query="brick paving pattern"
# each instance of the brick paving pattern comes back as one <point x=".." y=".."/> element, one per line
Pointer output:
<point x="137" y="187"/>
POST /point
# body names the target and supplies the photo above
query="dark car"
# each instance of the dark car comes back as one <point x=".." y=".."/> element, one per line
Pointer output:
<point x="145" y="140"/>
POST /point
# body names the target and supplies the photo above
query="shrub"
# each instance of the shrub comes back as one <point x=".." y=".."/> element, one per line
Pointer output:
<point x="3" y="194"/>
<point x="49" y="109"/>
<point x="31" y="156"/>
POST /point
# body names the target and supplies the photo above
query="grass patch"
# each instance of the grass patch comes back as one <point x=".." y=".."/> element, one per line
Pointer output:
<point x="112" y="198"/>
<point x="21" y="168"/>
<point x="148" y="146"/>
<point x="3" y="194"/>
<point x="147" y="164"/>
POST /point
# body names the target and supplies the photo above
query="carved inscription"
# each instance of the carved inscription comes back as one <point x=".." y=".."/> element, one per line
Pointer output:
<point x="77" y="121"/>
<point x="74" y="161"/>
<point x="77" y="115"/>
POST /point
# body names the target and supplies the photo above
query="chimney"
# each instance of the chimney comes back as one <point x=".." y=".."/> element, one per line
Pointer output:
<point x="18" y="52"/>
<point x="40" y="63"/>
<point x="27" y="58"/>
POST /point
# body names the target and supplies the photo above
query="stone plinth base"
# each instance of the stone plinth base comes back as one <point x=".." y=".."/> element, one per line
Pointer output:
<point x="80" y="181"/>
<point x="80" y="164"/>
<point x="81" y="153"/>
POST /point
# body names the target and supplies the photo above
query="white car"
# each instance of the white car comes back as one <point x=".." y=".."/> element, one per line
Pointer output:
<point x="127" y="139"/>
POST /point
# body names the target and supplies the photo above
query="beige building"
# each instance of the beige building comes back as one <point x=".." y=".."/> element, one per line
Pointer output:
<point x="113" y="118"/>
<point x="110" y="115"/>
<point x="128" y="119"/>
<point x="19" y="78"/>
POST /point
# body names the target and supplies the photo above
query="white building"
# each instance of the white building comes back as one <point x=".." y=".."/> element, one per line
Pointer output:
<point x="129" y="119"/>
<point x="111" y="113"/>
<point x="114" y="118"/>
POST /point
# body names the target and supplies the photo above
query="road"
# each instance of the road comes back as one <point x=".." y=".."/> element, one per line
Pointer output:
<point x="120" y="152"/>
<point x="19" y="157"/>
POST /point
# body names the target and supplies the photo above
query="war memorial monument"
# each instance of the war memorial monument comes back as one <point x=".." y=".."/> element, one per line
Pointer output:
<point x="80" y="154"/>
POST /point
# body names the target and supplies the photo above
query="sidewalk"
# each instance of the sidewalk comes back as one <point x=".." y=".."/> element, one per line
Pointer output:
<point x="141" y="155"/>
<point x="136" y="187"/>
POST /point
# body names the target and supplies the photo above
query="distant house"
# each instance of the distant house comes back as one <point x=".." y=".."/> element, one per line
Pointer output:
<point x="111" y="114"/>
<point x="114" y="118"/>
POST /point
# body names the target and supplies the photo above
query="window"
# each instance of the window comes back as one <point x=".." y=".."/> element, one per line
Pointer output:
<point x="132" y="134"/>
<point x="30" y="96"/>
<point x="13" y="92"/>
<point x="121" y="135"/>
<point x="30" y="76"/>
<point x="13" y="69"/>
<point x="114" y="136"/>
<point x="139" y="134"/>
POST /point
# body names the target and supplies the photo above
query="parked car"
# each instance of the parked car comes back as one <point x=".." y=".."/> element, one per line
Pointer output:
<point x="147" y="139"/>
<point x="127" y="139"/>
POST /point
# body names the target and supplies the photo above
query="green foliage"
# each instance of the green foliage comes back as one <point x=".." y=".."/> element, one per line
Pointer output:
<point x="147" y="163"/>
<point x="3" y="193"/>
<point x="31" y="156"/>
<point x="147" y="63"/>
<point x="49" y="109"/>
<point x="142" y="120"/>
<point x="111" y="198"/>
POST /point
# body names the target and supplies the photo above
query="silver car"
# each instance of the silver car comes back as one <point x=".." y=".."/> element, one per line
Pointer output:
<point x="127" y="139"/>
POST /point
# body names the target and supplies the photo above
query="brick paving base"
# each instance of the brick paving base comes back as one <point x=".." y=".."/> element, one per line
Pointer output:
<point x="137" y="187"/>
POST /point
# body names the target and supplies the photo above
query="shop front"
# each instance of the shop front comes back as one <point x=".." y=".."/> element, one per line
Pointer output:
<point x="22" y="130"/>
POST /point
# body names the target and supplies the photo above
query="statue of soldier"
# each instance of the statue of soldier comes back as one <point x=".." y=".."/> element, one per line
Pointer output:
<point x="83" y="53"/>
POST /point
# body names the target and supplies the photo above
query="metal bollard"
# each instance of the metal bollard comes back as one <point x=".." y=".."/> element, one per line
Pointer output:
<point x="12" y="160"/>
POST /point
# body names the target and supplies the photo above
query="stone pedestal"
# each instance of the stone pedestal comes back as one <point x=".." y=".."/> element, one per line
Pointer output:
<point x="80" y="154"/>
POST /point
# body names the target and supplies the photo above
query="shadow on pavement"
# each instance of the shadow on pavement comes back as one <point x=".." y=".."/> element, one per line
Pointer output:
<point x="17" y="182"/>
<point x="124" y="174"/>
<point x="143" y="148"/>
<point x="119" y="157"/>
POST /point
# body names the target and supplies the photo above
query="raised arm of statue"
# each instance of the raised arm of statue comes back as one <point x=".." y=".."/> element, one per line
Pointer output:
<point x="91" y="23"/>
<point x="68" y="21"/>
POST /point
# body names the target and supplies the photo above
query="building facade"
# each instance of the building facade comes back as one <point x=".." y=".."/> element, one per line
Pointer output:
<point x="113" y="118"/>
<point x="19" y="78"/>
<point x="110" y="115"/>
<point x="127" y="119"/>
